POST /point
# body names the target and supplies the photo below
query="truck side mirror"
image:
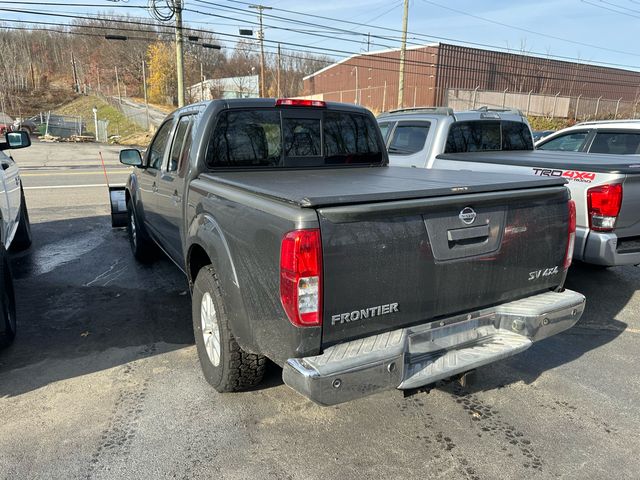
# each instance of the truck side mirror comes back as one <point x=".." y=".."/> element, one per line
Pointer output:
<point x="131" y="157"/>
<point x="15" y="140"/>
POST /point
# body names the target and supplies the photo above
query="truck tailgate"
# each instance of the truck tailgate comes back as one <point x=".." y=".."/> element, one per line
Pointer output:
<point x="399" y="263"/>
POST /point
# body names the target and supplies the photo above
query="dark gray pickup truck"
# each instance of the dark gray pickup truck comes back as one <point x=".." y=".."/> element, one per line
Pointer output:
<point x="302" y="246"/>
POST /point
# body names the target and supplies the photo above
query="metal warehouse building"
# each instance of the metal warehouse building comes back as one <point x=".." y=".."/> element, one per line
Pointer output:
<point x="462" y="77"/>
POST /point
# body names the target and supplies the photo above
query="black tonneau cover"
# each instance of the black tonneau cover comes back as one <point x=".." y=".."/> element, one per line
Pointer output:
<point x="591" y="162"/>
<point x="343" y="186"/>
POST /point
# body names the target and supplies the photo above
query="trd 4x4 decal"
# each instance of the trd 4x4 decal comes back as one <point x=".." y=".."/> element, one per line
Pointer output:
<point x="585" y="177"/>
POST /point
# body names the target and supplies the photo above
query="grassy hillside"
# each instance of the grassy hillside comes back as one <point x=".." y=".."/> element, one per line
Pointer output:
<point x="33" y="102"/>
<point x="119" y="124"/>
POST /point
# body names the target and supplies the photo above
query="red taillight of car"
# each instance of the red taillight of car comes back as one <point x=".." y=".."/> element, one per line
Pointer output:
<point x="603" y="204"/>
<point x="299" y="102"/>
<point x="301" y="277"/>
<point x="571" y="236"/>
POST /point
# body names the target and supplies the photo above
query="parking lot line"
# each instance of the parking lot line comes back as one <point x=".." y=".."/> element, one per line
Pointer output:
<point x="51" y="174"/>
<point x="45" y="187"/>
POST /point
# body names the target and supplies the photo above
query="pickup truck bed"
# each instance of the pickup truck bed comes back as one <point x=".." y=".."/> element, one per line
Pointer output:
<point x="617" y="243"/>
<point x="592" y="162"/>
<point x="322" y="188"/>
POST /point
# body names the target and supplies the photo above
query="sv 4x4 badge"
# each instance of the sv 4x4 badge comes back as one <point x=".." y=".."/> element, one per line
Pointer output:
<point x="547" y="272"/>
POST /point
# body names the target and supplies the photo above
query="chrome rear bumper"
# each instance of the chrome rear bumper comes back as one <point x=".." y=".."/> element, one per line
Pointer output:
<point x="420" y="355"/>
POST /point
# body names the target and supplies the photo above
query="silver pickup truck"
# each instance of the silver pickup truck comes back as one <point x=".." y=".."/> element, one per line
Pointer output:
<point x="606" y="188"/>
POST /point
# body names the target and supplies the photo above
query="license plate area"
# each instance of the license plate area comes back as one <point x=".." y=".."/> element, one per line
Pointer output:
<point x="454" y="334"/>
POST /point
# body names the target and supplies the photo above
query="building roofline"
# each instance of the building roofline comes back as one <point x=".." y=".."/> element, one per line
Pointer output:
<point x="364" y="54"/>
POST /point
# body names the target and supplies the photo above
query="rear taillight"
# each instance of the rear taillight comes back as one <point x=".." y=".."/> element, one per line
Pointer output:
<point x="301" y="277"/>
<point x="571" y="236"/>
<point x="603" y="204"/>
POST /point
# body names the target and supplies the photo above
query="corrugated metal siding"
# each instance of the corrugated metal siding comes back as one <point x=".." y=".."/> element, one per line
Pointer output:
<point x="431" y="70"/>
<point x="338" y="83"/>
<point x="468" y="68"/>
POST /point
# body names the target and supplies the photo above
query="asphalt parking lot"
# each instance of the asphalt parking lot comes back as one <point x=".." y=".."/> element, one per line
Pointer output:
<point x="103" y="379"/>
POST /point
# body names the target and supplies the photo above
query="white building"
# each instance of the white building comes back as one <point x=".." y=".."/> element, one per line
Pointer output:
<point x="231" y="87"/>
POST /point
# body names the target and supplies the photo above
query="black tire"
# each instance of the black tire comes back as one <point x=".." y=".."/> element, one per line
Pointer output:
<point x="7" y="302"/>
<point x="22" y="239"/>
<point x="236" y="369"/>
<point x="142" y="247"/>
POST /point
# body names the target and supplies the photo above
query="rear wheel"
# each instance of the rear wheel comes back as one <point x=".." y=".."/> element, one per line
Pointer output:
<point x="22" y="239"/>
<point x="142" y="247"/>
<point x="7" y="302"/>
<point x="225" y="365"/>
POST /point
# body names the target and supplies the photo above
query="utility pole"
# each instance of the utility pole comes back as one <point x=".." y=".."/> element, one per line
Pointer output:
<point x="368" y="41"/>
<point x="279" y="69"/>
<point x="76" y="86"/>
<point x="144" y="87"/>
<point x="260" y="9"/>
<point x="403" y="51"/>
<point x="165" y="11"/>
<point x="177" y="6"/>
<point x="118" y="84"/>
<point x="33" y="76"/>
<point x="357" y="99"/>
<point x="201" y="82"/>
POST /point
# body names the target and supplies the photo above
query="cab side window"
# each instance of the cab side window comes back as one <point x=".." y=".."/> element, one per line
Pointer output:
<point x="570" y="142"/>
<point x="182" y="132"/>
<point x="159" y="145"/>
<point x="409" y="138"/>
<point x="616" y="142"/>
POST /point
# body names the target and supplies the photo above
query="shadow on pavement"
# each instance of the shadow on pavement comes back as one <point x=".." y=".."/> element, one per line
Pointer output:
<point x="607" y="292"/>
<point x="81" y="296"/>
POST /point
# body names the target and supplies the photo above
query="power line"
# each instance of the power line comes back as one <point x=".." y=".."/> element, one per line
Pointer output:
<point x="610" y="9"/>
<point x="417" y="35"/>
<point x="376" y="58"/>
<point x="413" y="34"/>
<point x="296" y="57"/>
<point x="495" y="22"/>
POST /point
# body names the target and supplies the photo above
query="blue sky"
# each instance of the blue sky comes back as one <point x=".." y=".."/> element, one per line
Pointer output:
<point x="580" y="29"/>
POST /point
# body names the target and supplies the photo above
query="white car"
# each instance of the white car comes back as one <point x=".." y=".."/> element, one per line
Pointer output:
<point x="620" y="137"/>
<point x="15" y="230"/>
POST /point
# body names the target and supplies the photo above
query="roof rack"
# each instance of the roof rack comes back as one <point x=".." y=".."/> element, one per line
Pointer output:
<point x="434" y="110"/>
<point x="601" y="122"/>
<point x="515" y="111"/>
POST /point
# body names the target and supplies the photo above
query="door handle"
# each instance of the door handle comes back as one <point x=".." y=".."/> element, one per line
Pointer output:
<point x="17" y="180"/>
<point x="176" y="197"/>
<point x="154" y="187"/>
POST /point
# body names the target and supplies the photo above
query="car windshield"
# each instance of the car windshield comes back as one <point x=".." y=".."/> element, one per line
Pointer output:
<point x="270" y="138"/>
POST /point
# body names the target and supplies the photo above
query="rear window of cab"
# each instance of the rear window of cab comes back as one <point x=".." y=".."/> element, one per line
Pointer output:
<point x="487" y="135"/>
<point x="266" y="138"/>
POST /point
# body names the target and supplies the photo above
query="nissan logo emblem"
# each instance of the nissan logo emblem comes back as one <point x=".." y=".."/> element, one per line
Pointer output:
<point x="467" y="215"/>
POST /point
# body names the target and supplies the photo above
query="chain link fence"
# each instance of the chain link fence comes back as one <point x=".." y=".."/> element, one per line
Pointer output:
<point x="551" y="106"/>
<point x="578" y="108"/>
